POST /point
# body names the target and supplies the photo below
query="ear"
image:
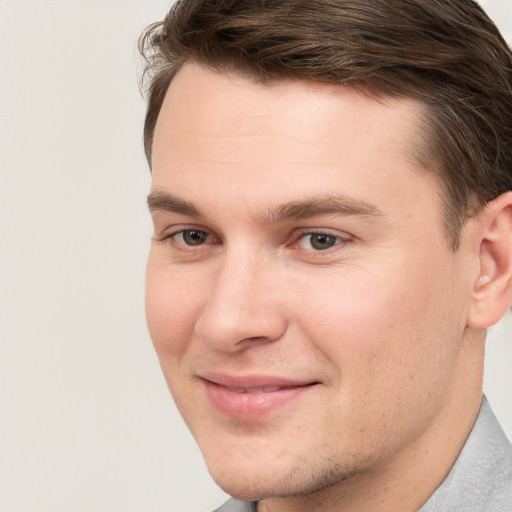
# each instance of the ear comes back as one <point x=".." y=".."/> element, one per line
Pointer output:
<point x="492" y="291"/>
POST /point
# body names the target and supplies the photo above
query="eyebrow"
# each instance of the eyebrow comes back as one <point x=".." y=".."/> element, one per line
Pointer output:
<point x="295" y="210"/>
<point x="161" y="201"/>
<point x="324" y="205"/>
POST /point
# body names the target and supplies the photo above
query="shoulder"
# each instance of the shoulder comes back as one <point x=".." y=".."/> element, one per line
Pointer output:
<point x="233" y="505"/>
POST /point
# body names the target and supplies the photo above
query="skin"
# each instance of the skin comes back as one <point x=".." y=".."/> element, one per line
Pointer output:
<point x="382" y="323"/>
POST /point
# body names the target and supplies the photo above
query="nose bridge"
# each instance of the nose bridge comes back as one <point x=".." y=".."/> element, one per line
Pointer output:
<point x="242" y="306"/>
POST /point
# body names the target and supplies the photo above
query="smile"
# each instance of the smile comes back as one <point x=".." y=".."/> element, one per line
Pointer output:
<point x="251" y="398"/>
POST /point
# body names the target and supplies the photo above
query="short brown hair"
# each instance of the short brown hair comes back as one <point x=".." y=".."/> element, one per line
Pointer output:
<point x="445" y="53"/>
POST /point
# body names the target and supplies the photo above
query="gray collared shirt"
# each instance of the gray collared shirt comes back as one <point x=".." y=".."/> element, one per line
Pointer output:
<point x="481" y="478"/>
<point x="479" y="481"/>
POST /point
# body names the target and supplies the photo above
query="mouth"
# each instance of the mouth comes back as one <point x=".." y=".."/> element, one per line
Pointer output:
<point x="262" y="389"/>
<point x="252" y="397"/>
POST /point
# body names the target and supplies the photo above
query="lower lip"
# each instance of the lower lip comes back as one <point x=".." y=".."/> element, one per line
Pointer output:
<point x="252" y="406"/>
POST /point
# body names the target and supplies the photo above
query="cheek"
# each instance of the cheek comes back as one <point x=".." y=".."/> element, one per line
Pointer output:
<point x="392" y="361"/>
<point x="378" y="331"/>
<point x="172" y="307"/>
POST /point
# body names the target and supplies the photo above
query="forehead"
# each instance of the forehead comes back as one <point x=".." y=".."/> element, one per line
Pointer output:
<point x="208" y="104"/>
<point x="281" y="140"/>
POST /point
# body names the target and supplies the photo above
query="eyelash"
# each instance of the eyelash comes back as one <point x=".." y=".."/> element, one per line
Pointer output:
<point x="171" y="238"/>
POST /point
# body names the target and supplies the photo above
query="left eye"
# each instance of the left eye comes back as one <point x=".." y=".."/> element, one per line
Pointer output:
<point x="318" y="241"/>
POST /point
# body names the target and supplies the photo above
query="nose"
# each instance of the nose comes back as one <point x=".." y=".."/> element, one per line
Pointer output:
<point x="244" y="307"/>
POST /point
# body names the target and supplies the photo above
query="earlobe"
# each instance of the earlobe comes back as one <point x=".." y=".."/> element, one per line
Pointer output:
<point x="492" y="292"/>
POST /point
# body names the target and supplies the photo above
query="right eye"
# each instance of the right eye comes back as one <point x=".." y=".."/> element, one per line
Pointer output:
<point x="190" y="237"/>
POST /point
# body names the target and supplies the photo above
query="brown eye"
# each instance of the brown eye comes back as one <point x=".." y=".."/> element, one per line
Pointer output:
<point x="193" y="237"/>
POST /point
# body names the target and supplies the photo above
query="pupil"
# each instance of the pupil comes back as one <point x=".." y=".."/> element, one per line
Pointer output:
<point x="322" y="242"/>
<point x="193" y="237"/>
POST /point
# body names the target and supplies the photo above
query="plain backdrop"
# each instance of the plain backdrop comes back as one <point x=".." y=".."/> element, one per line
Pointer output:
<point x="86" y="421"/>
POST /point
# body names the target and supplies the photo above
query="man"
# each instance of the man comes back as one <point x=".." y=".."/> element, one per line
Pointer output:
<point x="332" y="202"/>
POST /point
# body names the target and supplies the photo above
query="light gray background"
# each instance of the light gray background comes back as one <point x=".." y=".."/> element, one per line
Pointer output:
<point x="86" y="422"/>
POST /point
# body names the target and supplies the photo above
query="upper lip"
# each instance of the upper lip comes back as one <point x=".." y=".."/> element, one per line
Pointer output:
<point x="260" y="382"/>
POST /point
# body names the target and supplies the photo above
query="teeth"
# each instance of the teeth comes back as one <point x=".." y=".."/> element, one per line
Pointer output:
<point x="265" y="389"/>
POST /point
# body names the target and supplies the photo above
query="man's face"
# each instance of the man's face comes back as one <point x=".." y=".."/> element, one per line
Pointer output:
<point x="301" y="296"/>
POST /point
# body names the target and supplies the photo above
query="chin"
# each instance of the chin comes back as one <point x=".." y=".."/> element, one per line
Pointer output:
<point x="246" y="482"/>
<point x="258" y="480"/>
